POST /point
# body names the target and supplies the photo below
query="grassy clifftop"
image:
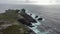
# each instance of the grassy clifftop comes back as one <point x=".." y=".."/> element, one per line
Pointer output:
<point x="10" y="17"/>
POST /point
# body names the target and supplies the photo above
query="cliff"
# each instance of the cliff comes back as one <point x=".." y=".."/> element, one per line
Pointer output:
<point x="10" y="25"/>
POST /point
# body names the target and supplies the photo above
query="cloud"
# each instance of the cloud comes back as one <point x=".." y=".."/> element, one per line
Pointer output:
<point x="25" y="1"/>
<point x="11" y="1"/>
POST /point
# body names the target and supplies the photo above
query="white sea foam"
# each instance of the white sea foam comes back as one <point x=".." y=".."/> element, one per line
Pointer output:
<point x="35" y="29"/>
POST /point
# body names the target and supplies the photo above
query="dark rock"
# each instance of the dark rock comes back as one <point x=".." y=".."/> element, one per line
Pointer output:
<point x="17" y="10"/>
<point x="23" y="10"/>
<point x="30" y="14"/>
<point x="31" y="32"/>
<point x="36" y="16"/>
<point x="40" y="19"/>
<point x="28" y="17"/>
<point x="25" y="22"/>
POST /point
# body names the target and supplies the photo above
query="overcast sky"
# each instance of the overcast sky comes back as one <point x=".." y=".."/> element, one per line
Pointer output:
<point x="28" y="1"/>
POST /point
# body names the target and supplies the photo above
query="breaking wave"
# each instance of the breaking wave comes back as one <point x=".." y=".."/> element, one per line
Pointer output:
<point x="35" y="29"/>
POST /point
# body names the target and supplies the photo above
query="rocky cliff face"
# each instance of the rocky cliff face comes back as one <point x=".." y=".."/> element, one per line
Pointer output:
<point x="10" y="25"/>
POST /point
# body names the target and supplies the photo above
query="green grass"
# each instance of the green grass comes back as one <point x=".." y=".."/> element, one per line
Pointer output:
<point x="10" y="15"/>
<point x="14" y="29"/>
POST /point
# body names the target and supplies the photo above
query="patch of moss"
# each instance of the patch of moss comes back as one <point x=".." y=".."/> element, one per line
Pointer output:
<point x="10" y="15"/>
<point x="15" y="29"/>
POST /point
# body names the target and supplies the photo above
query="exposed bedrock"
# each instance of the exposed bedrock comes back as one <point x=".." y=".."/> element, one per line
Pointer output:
<point x="27" y="17"/>
<point x="25" y="22"/>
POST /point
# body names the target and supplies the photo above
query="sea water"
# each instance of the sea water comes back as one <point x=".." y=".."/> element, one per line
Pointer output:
<point x="35" y="29"/>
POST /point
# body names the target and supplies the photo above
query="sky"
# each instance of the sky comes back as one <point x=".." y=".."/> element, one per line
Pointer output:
<point x="30" y="1"/>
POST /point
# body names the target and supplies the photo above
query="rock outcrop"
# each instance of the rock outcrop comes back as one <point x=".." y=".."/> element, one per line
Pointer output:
<point x="9" y="23"/>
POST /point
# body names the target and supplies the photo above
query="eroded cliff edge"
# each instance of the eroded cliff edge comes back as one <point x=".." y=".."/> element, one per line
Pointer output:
<point x="10" y="25"/>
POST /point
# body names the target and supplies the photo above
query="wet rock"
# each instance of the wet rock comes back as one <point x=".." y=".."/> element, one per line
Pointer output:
<point x="36" y="16"/>
<point x="30" y="31"/>
<point x="25" y="22"/>
<point x="23" y="10"/>
<point x="40" y="19"/>
<point x="30" y="14"/>
<point x="28" y="17"/>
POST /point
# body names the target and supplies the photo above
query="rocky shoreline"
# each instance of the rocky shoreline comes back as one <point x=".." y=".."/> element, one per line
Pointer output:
<point x="10" y="25"/>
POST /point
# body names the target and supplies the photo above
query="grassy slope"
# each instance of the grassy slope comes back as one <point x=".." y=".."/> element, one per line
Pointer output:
<point x="14" y="29"/>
